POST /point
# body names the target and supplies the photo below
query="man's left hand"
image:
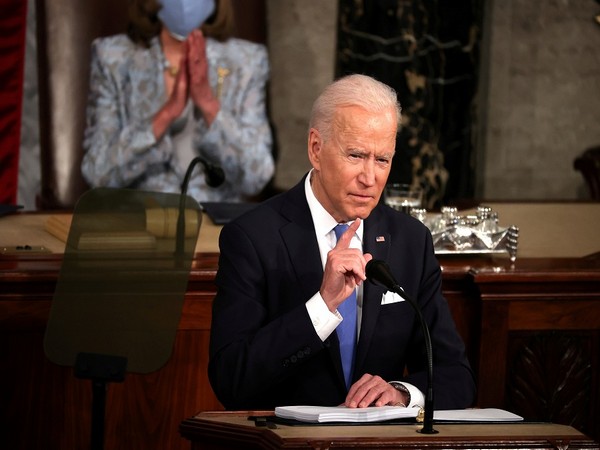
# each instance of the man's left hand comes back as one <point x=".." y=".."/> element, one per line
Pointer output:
<point x="372" y="390"/>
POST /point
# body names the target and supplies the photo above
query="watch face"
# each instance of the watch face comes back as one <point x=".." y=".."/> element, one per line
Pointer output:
<point x="399" y="386"/>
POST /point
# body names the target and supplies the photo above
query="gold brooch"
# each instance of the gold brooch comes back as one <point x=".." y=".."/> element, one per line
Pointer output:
<point x="222" y="72"/>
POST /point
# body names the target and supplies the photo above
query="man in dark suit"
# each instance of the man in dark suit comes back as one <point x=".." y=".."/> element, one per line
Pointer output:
<point x="285" y="280"/>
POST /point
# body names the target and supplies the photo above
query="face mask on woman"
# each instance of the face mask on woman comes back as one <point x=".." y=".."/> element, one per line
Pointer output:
<point x="181" y="17"/>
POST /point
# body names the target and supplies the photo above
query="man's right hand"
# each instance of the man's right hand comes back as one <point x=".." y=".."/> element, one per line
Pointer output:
<point x="344" y="269"/>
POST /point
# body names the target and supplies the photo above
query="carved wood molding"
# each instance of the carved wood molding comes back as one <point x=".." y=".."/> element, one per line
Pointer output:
<point x="549" y="377"/>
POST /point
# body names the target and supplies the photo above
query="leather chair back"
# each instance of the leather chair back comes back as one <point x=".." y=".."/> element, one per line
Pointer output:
<point x="65" y="30"/>
<point x="588" y="163"/>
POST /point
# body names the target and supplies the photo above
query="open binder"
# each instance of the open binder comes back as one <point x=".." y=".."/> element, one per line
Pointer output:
<point x="335" y="414"/>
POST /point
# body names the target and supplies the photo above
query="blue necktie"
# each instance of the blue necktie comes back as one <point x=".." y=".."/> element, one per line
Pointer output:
<point x="346" y="330"/>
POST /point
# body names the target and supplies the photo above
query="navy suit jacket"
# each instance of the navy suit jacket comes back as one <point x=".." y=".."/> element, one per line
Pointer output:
<point x="264" y="351"/>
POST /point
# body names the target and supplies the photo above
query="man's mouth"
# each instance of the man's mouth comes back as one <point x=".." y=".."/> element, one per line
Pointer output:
<point x="362" y="198"/>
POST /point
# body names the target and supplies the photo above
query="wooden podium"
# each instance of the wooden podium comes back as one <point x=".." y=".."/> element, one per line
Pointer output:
<point x="234" y="430"/>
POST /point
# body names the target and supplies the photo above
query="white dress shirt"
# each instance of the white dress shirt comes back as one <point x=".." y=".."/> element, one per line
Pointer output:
<point x="324" y="321"/>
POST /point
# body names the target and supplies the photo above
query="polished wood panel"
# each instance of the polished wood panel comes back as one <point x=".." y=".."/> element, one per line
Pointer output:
<point x="143" y="412"/>
<point x="220" y="431"/>
<point x="540" y="341"/>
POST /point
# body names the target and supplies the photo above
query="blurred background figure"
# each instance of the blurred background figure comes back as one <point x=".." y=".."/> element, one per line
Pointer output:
<point x="175" y="86"/>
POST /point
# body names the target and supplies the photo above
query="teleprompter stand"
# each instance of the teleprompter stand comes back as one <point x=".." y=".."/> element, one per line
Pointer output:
<point x="121" y="286"/>
<point x="100" y="369"/>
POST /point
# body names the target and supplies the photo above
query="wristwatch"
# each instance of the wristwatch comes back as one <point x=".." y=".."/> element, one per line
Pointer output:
<point x="401" y="388"/>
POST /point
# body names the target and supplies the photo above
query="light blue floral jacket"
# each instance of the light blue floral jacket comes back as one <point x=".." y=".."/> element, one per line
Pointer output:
<point x="127" y="89"/>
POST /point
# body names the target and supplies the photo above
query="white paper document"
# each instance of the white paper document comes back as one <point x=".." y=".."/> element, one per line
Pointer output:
<point x="324" y="414"/>
<point x="319" y="414"/>
<point x="476" y="415"/>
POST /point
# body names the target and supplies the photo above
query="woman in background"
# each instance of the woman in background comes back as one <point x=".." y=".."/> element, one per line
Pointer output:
<point x="176" y="86"/>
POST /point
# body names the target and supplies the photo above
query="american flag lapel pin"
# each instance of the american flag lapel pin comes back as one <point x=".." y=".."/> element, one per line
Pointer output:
<point x="380" y="239"/>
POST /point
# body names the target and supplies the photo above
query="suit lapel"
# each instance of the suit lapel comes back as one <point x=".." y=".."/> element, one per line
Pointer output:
<point x="377" y="242"/>
<point x="298" y="234"/>
<point x="301" y="243"/>
<point x="144" y="74"/>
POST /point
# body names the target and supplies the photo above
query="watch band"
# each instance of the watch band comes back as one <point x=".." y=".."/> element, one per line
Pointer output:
<point x="401" y="388"/>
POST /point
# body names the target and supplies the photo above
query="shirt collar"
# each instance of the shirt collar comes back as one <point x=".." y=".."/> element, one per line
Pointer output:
<point x="323" y="221"/>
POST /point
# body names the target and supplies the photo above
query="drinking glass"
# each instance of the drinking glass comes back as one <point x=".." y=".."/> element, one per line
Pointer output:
<point x="403" y="197"/>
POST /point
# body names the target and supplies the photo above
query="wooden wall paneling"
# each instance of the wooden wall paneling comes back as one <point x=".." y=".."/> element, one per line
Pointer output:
<point x="498" y="310"/>
<point x="492" y="354"/>
<point x="463" y="301"/>
<point x="543" y="328"/>
<point x="39" y="395"/>
<point x="558" y="385"/>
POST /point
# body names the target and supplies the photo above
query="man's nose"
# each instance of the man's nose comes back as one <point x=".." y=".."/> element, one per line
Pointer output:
<point x="367" y="174"/>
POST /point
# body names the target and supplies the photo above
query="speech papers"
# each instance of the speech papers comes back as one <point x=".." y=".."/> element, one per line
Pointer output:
<point x="322" y="414"/>
<point x="325" y="414"/>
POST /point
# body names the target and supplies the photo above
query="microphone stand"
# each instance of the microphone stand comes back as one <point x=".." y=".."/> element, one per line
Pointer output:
<point x="428" y="414"/>
<point x="214" y="177"/>
<point x="378" y="272"/>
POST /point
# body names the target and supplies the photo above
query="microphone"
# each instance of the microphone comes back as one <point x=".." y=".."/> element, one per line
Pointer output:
<point x="214" y="177"/>
<point x="379" y="273"/>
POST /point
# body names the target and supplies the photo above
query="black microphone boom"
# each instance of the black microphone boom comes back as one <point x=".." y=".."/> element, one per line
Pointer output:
<point x="378" y="272"/>
<point x="214" y="177"/>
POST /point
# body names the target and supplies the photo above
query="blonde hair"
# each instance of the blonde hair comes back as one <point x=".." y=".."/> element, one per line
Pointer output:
<point x="352" y="90"/>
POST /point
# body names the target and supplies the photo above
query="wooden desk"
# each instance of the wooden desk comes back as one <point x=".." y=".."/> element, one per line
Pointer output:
<point x="532" y="331"/>
<point x="220" y="431"/>
<point x="553" y="230"/>
<point x="546" y="230"/>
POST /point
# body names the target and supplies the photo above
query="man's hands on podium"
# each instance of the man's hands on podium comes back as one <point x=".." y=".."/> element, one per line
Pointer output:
<point x="372" y="390"/>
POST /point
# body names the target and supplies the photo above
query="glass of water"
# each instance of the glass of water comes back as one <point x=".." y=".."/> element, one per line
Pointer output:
<point x="403" y="197"/>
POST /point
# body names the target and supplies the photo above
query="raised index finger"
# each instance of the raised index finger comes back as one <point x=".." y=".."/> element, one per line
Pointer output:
<point x="344" y="240"/>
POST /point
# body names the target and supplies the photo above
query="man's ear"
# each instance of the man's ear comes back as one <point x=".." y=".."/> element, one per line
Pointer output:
<point x="314" y="148"/>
